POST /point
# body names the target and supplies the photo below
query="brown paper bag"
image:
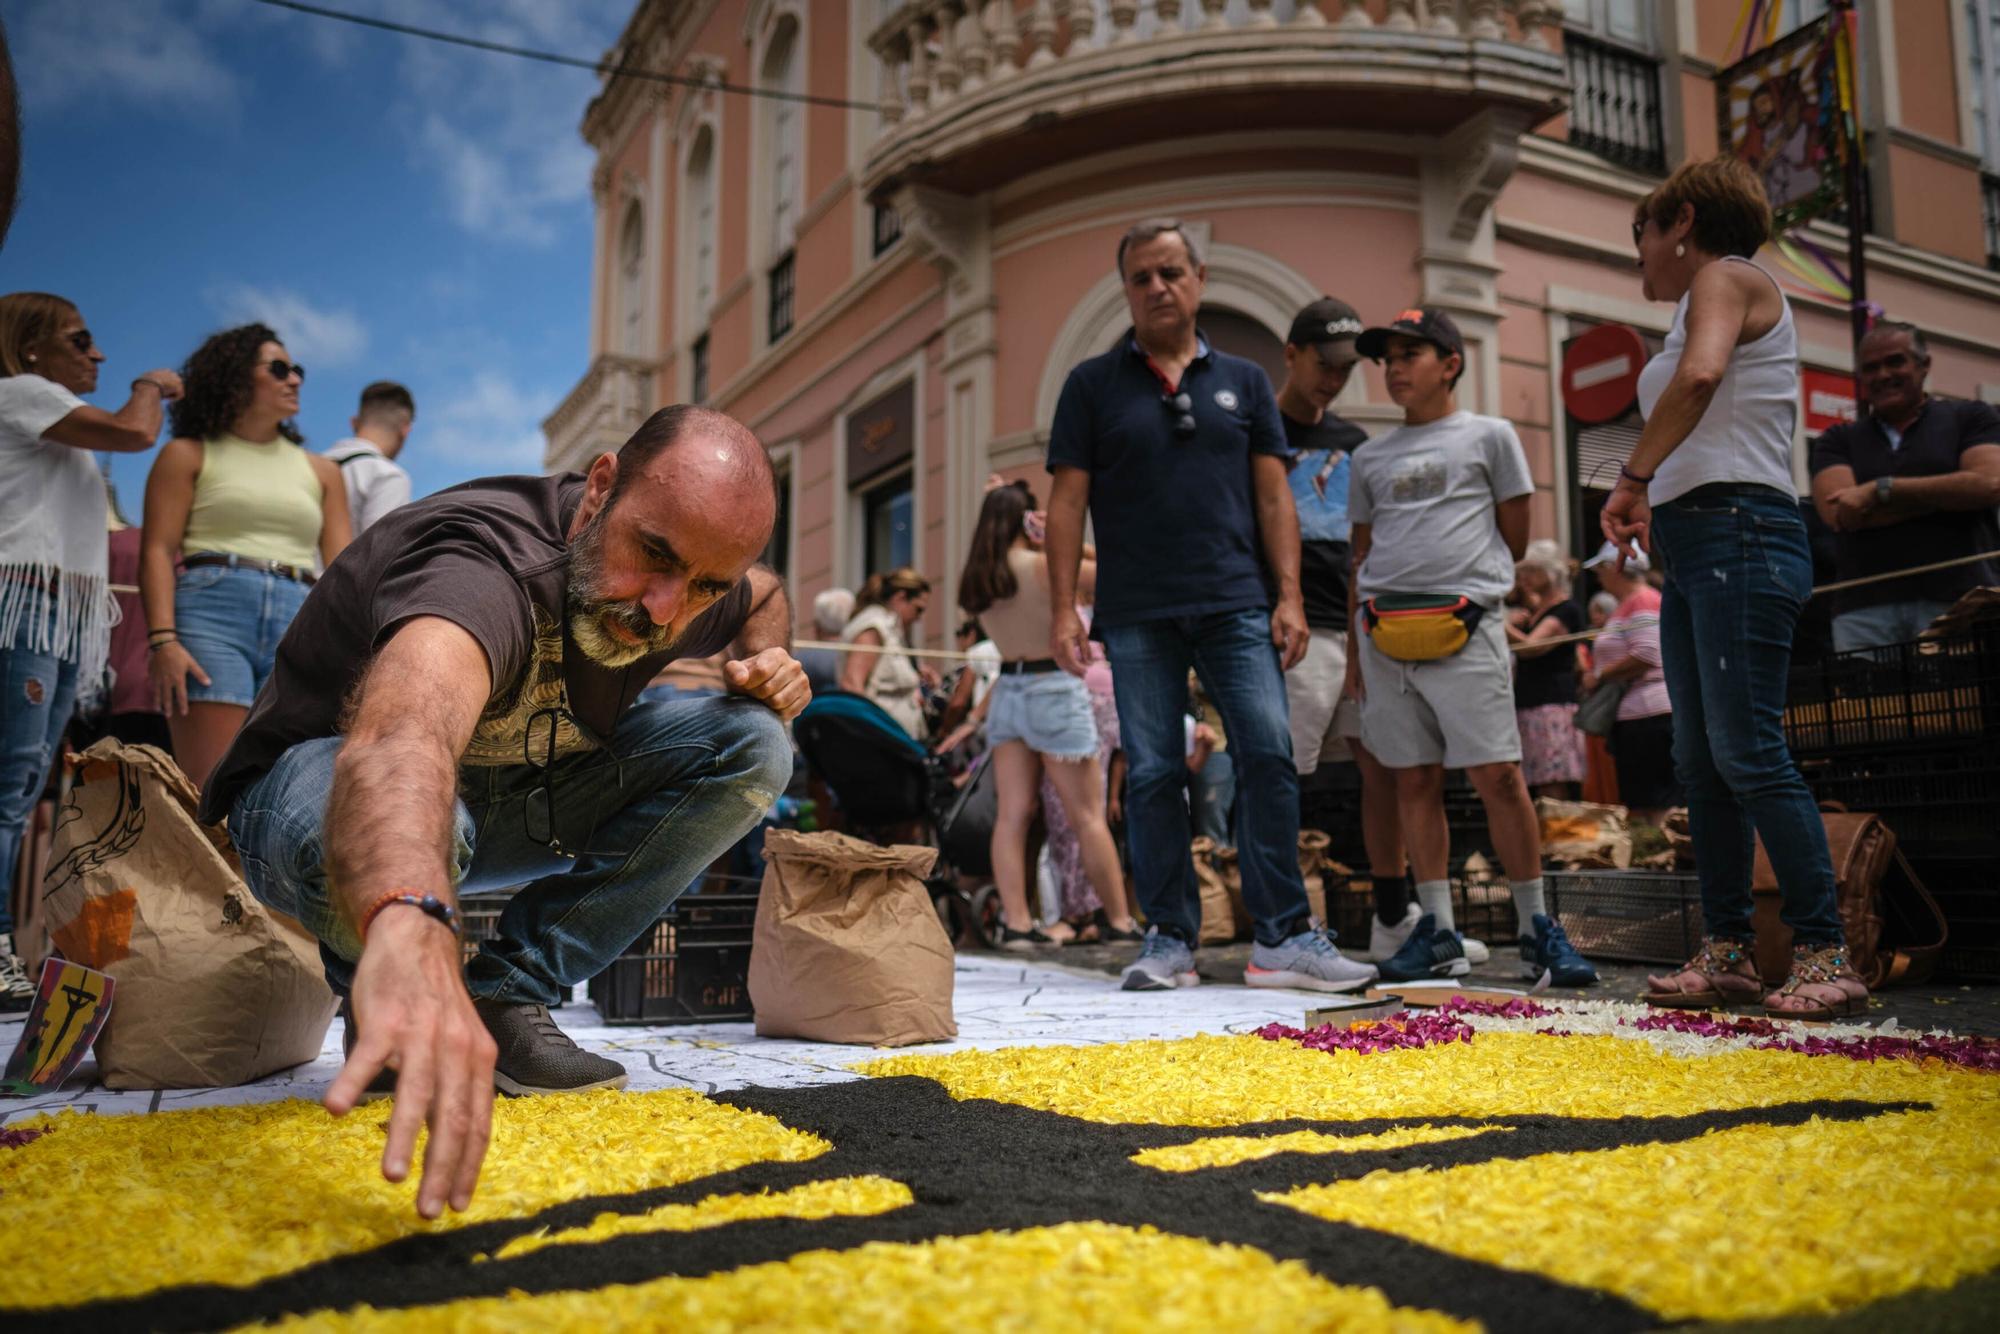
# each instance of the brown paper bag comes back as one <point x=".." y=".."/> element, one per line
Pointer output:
<point x="213" y="987"/>
<point x="848" y="947"/>
<point x="1211" y="878"/>
<point x="1583" y="834"/>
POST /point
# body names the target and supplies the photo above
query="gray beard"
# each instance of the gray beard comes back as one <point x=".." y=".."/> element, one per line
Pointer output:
<point x="587" y="612"/>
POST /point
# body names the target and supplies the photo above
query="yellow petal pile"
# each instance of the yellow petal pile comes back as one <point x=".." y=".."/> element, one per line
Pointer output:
<point x="841" y="1197"/>
<point x="1228" y="1150"/>
<point x="1225" y="1081"/>
<point x="1081" y="1277"/>
<point x="1739" y="1224"/>
<point x="237" y="1194"/>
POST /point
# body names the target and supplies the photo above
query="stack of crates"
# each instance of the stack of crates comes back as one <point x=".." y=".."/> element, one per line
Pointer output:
<point x="1911" y="732"/>
<point x="692" y="966"/>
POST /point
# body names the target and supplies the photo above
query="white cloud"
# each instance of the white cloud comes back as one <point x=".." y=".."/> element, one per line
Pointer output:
<point x="150" y="51"/>
<point x="311" y="333"/>
<point x="493" y="424"/>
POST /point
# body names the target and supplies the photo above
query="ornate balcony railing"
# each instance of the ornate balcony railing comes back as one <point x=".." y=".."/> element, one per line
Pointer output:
<point x="980" y="90"/>
<point x="1614" y="110"/>
<point x="608" y="404"/>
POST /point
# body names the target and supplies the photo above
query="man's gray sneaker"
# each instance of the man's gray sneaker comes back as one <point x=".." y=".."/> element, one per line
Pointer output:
<point x="1308" y="961"/>
<point x="537" y="1057"/>
<point x="1164" y="962"/>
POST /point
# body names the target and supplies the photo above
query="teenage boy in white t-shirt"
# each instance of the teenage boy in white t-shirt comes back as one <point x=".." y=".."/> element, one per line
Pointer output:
<point x="1439" y="506"/>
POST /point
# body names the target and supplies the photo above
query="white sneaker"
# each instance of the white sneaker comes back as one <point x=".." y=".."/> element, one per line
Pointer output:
<point x="1475" y="950"/>
<point x="17" y="989"/>
<point x="1384" y="941"/>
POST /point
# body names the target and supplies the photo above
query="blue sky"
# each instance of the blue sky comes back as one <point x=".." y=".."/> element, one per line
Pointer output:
<point x="394" y="208"/>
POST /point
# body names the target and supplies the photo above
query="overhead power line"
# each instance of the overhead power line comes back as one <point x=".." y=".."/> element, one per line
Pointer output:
<point x="600" y="67"/>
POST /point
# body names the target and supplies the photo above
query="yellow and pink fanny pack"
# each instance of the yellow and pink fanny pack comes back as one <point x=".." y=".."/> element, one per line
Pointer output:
<point x="1420" y="627"/>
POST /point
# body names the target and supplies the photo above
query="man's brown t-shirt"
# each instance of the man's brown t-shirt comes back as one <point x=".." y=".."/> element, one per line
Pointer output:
<point x="491" y="556"/>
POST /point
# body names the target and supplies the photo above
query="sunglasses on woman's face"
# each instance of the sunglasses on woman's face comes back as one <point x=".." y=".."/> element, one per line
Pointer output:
<point x="1638" y="233"/>
<point x="282" y="370"/>
<point x="80" y="340"/>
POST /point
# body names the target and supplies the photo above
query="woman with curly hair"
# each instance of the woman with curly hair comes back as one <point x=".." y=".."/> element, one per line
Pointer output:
<point x="241" y="508"/>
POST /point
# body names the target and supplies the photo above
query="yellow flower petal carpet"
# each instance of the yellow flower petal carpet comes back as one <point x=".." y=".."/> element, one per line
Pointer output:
<point x="1586" y="1167"/>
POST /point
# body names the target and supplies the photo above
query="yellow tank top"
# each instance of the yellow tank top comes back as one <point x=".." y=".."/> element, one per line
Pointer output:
<point x="256" y="500"/>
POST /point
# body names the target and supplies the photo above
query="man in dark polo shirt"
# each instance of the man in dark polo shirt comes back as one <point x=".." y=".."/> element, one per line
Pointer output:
<point x="1913" y="481"/>
<point x="454" y="708"/>
<point x="1177" y="452"/>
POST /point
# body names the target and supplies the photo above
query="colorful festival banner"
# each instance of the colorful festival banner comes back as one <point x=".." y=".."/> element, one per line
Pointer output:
<point x="1783" y="109"/>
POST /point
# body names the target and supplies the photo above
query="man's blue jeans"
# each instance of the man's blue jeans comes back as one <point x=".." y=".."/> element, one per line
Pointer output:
<point x="696" y="776"/>
<point x="1738" y="574"/>
<point x="1238" y="665"/>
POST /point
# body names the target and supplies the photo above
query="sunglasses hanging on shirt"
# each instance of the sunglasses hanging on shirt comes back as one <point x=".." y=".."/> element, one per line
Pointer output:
<point x="1182" y="404"/>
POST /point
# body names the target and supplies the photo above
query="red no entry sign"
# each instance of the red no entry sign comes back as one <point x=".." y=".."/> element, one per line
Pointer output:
<point x="1600" y="376"/>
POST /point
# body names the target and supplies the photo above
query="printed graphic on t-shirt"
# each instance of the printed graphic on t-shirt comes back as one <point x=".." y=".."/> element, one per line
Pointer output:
<point x="1417" y="478"/>
<point x="1319" y="493"/>
<point x="503" y="728"/>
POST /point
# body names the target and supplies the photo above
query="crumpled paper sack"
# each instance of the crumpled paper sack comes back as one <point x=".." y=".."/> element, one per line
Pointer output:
<point x="847" y="946"/>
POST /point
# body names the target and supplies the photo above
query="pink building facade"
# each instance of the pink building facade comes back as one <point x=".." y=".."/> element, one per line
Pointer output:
<point x="891" y="295"/>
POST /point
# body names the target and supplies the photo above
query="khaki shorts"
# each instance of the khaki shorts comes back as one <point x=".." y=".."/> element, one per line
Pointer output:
<point x="1322" y="722"/>
<point x="1456" y="711"/>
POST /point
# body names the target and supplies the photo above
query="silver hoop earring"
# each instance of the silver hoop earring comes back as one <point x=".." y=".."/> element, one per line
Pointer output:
<point x="1680" y="252"/>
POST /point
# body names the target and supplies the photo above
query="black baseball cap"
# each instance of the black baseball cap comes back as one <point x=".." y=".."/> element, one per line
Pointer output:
<point x="1426" y="322"/>
<point x="1327" y="322"/>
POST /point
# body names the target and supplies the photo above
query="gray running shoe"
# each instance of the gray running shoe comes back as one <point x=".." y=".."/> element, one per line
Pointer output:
<point x="538" y="1057"/>
<point x="1164" y="962"/>
<point x="1308" y="961"/>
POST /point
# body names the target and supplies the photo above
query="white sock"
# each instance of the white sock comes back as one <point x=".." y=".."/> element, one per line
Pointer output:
<point x="1434" y="897"/>
<point x="1528" y="904"/>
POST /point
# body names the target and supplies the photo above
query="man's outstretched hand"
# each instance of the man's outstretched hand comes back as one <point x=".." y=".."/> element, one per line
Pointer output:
<point x="773" y="678"/>
<point x="415" y="1017"/>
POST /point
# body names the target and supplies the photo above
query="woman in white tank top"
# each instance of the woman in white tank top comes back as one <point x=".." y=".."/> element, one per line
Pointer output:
<point x="1709" y="490"/>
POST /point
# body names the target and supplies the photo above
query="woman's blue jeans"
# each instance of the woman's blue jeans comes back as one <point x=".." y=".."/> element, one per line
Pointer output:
<point x="1738" y="575"/>
<point x="37" y="695"/>
<point x="681" y="783"/>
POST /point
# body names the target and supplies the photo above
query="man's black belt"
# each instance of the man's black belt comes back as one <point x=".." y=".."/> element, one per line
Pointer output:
<point x="1029" y="667"/>
<point x="236" y="562"/>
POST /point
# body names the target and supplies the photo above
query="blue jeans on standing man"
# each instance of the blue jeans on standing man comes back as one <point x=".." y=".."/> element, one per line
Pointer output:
<point x="37" y="695"/>
<point x="679" y="784"/>
<point x="1238" y="665"/>
<point x="1738" y="574"/>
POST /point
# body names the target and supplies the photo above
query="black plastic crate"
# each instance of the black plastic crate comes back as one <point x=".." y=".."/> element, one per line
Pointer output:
<point x="692" y="966"/>
<point x="1942" y="801"/>
<point x="479" y="918"/>
<point x="1967" y="890"/>
<point x="1635" y="916"/>
<point x="1923" y="691"/>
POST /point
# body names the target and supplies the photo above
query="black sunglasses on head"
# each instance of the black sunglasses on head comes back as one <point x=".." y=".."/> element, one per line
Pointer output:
<point x="80" y="340"/>
<point x="1183" y="404"/>
<point x="282" y="370"/>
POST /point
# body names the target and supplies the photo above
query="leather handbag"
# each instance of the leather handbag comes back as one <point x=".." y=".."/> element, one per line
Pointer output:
<point x="1864" y="851"/>
<point x="1598" y="714"/>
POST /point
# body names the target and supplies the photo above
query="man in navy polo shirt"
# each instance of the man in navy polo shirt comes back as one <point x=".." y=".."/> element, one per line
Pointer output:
<point x="1177" y="452"/>
<point x="1913" y="482"/>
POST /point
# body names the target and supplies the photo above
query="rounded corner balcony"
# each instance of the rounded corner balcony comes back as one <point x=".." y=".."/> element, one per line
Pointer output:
<point x="981" y="92"/>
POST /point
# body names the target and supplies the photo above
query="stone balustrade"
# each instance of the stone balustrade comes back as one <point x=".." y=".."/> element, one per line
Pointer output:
<point x="608" y="404"/>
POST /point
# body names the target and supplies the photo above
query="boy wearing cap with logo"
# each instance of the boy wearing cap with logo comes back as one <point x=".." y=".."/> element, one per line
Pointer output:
<point x="1439" y="508"/>
<point x="1326" y="725"/>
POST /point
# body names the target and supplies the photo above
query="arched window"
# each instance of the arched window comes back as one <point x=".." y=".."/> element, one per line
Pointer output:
<point x="632" y="282"/>
<point x="786" y="123"/>
<point x="698" y="220"/>
<point x="1240" y="335"/>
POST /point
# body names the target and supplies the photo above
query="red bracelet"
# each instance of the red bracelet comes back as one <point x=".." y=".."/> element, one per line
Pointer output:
<point x="429" y="904"/>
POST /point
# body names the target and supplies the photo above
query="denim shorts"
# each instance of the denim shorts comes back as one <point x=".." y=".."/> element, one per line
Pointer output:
<point x="230" y="621"/>
<point x="1049" y="711"/>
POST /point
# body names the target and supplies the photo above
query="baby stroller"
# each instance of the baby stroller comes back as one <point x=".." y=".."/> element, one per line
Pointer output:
<point x="888" y="787"/>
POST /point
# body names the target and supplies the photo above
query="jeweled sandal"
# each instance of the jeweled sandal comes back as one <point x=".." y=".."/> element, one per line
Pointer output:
<point x="1721" y="973"/>
<point x="1822" y="985"/>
